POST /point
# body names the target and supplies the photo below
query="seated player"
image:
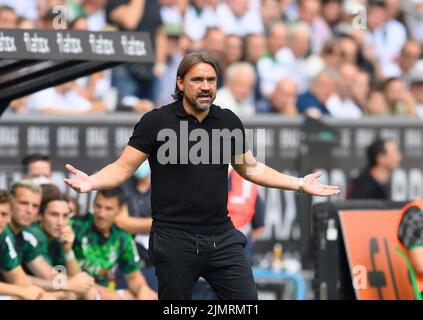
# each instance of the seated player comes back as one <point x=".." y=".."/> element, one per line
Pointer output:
<point x="18" y="284"/>
<point x="100" y="247"/>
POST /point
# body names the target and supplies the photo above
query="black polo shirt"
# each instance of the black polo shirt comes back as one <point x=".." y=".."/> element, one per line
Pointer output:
<point x="187" y="193"/>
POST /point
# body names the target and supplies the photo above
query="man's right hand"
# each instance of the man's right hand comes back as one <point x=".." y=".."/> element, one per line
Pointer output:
<point x="80" y="182"/>
<point x="81" y="283"/>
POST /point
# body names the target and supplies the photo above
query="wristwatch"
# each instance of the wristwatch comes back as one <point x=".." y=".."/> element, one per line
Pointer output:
<point x="301" y="186"/>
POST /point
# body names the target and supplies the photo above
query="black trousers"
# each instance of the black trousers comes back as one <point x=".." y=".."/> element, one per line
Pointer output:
<point x="182" y="257"/>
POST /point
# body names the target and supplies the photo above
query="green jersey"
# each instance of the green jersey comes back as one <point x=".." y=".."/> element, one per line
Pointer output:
<point x="9" y="258"/>
<point x="27" y="246"/>
<point x="50" y="249"/>
<point x="100" y="256"/>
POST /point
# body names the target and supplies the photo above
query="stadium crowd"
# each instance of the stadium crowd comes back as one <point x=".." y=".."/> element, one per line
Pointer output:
<point x="313" y="57"/>
<point x="305" y="57"/>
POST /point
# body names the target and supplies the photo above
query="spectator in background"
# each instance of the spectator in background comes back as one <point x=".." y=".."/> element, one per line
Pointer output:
<point x="8" y="17"/>
<point x="24" y="23"/>
<point x="26" y="9"/>
<point x="213" y="43"/>
<point x="410" y="54"/>
<point x="232" y="52"/>
<point x="399" y="99"/>
<point x="332" y="13"/>
<point x="239" y="17"/>
<point x="341" y="103"/>
<point x="360" y="89"/>
<point x="66" y="99"/>
<point x="271" y="11"/>
<point x="270" y="70"/>
<point x="135" y="79"/>
<point x="313" y="102"/>
<point x="383" y="157"/>
<point x="201" y="15"/>
<point x="254" y="48"/>
<point x="328" y="59"/>
<point x="309" y="12"/>
<point x="177" y="47"/>
<point x="386" y="34"/>
<point x="97" y="86"/>
<point x="36" y="167"/>
<point x="376" y="103"/>
<point x="293" y="57"/>
<point x="284" y="98"/>
<point x="237" y="94"/>
<point x="95" y="13"/>
<point x="413" y="12"/>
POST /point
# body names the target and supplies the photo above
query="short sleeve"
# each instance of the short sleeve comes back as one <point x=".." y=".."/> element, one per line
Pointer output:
<point x="410" y="232"/>
<point x="9" y="258"/>
<point x="32" y="248"/>
<point x="239" y="144"/>
<point x="144" y="137"/>
<point x="129" y="260"/>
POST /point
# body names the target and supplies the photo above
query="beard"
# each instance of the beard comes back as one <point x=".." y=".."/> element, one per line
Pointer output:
<point x="201" y="105"/>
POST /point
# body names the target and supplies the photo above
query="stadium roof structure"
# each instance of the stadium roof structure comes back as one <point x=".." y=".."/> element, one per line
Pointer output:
<point x="33" y="60"/>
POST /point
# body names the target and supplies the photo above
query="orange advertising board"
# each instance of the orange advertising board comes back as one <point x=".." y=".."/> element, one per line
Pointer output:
<point x="378" y="271"/>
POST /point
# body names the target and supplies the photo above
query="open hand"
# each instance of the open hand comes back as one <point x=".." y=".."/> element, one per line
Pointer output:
<point x="313" y="186"/>
<point x="80" y="182"/>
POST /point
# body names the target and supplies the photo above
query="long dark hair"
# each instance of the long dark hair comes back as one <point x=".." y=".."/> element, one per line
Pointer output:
<point x="186" y="64"/>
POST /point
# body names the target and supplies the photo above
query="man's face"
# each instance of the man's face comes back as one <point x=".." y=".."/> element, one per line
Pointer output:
<point x="214" y="43"/>
<point x="8" y="19"/>
<point x="309" y="10"/>
<point x="277" y="38"/>
<point x="410" y="55"/>
<point x="5" y="213"/>
<point x="285" y="95"/>
<point x="105" y="212"/>
<point x="25" y="207"/>
<point x="242" y="86"/>
<point x="392" y="157"/>
<point x="39" y="169"/>
<point x="376" y="17"/>
<point x="55" y="217"/>
<point x="255" y="48"/>
<point x="199" y="86"/>
<point x="324" y="87"/>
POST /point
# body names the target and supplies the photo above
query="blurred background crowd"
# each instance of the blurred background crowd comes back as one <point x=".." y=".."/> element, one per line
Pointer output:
<point x="337" y="58"/>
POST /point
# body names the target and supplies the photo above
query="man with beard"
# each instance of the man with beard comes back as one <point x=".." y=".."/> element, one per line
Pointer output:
<point x="192" y="235"/>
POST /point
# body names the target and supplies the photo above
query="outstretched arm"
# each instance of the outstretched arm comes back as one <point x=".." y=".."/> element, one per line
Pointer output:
<point x="256" y="172"/>
<point x="111" y="175"/>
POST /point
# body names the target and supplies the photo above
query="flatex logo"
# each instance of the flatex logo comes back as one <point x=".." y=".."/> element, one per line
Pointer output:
<point x="35" y="44"/>
<point x="133" y="47"/>
<point x="100" y="45"/>
<point x="7" y="44"/>
<point x="68" y="44"/>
